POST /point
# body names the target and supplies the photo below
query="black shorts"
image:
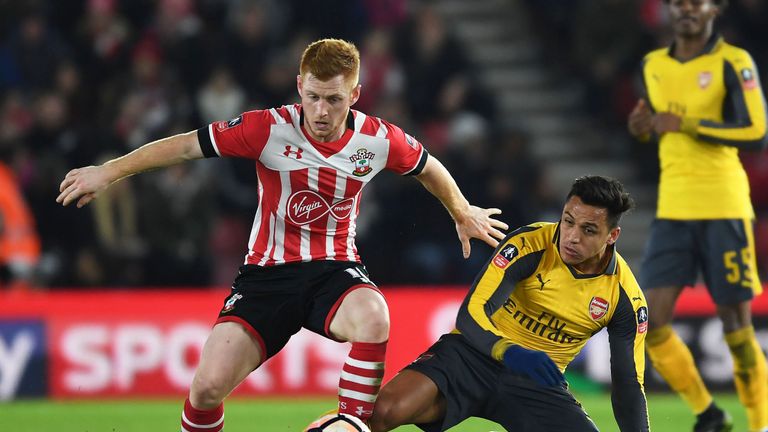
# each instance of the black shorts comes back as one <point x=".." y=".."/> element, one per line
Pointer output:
<point x="274" y="303"/>
<point x="722" y="249"/>
<point x="475" y="385"/>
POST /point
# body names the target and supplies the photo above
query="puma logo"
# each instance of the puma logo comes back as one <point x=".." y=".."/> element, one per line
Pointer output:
<point x="636" y="298"/>
<point x="542" y="281"/>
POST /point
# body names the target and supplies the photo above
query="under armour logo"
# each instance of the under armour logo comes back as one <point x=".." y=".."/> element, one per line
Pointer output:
<point x="290" y="151"/>
<point x="542" y="281"/>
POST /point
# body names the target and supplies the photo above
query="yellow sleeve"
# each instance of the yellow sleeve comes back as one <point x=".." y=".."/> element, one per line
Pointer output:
<point x="491" y="289"/>
<point x="746" y="129"/>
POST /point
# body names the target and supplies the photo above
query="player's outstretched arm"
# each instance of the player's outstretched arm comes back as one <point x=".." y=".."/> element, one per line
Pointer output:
<point x="82" y="185"/>
<point x="471" y="221"/>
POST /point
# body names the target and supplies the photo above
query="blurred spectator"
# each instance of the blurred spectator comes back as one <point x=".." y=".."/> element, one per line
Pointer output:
<point x="19" y="241"/>
<point x="177" y="214"/>
<point x="431" y="58"/>
<point x="607" y="41"/>
<point x="249" y="42"/>
<point x="220" y="97"/>
<point x="148" y="99"/>
<point x="34" y="51"/>
<point x="380" y="72"/>
<point x="102" y="41"/>
<point x="15" y="120"/>
<point x="121" y="249"/>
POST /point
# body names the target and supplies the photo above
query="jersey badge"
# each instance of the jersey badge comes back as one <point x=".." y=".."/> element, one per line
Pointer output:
<point x="230" y="304"/>
<point x="362" y="161"/>
<point x="224" y="125"/>
<point x="598" y="308"/>
<point x="411" y="141"/>
<point x="705" y="78"/>
<point x="748" y="79"/>
<point x="505" y="255"/>
<point x="642" y="319"/>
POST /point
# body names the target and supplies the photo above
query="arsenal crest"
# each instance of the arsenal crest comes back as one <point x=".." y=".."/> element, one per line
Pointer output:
<point x="704" y="79"/>
<point x="598" y="308"/>
<point x="362" y="161"/>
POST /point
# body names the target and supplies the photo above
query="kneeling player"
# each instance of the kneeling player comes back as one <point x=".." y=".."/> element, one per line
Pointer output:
<point x="546" y="290"/>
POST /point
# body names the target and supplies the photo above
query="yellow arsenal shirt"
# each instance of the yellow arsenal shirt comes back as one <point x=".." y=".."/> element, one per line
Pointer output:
<point x="526" y="295"/>
<point x="718" y="95"/>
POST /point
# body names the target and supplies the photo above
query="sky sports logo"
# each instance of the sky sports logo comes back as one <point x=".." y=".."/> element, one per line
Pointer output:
<point x="23" y="360"/>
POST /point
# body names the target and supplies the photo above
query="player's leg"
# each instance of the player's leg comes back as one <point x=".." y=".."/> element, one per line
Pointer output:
<point x="749" y="368"/>
<point x="409" y="398"/>
<point x="347" y="307"/>
<point x="670" y="263"/>
<point x="363" y="320"/>
<point x="447" y="384"/>
<point x="228" y="356"/>
<point x="263" y="310"/>
<point x="669" y="355"/>
<point x="732" y="279"/>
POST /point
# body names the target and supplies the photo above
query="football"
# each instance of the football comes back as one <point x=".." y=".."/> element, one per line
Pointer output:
<point x="337" y="423"/>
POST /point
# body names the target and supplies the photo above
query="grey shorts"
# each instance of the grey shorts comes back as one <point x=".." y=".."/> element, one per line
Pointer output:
<point x="474" y="385"/>
<point x="722" y="249"/>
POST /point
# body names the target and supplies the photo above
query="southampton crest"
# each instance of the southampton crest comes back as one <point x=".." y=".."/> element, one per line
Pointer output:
<point x="362" y="161"/>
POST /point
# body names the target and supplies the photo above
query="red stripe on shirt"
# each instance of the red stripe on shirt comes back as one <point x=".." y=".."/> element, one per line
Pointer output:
<point x="370" y="126"/>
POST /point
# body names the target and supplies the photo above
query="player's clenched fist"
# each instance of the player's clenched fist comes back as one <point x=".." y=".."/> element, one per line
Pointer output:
<point x="640" y="122"/>
<point x="533" y="364"/>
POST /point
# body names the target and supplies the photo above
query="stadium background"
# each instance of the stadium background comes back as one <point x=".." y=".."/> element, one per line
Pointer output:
<point x="516" y="97"/>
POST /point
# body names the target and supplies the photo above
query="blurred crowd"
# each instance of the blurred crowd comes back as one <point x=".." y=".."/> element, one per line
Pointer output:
<point x="83" y="81"/>
<point x="602" y="42"/>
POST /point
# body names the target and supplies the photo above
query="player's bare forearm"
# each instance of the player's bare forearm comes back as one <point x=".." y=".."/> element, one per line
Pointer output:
<point x="82" y="185"/>
<point x="157" y="154"/>
<point x="471" y="221"/>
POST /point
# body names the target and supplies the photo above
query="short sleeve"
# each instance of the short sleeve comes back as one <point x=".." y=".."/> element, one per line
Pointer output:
<point x="406" y="154"/>
<point x="244" y="136"/>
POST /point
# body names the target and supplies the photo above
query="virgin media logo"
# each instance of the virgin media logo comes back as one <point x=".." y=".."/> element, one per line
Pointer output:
<point x="308" y="206"/>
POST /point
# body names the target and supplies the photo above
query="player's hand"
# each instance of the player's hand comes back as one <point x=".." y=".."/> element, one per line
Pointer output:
<point x="666" y="122"/>
<point x="479" y="224"/>
<point x="533" y="364"/>
<point x="640" y="123"/>
<point x="83" y="185"/>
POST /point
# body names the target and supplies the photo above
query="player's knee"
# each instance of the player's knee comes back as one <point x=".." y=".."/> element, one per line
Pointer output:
<point x="371" y="321"/>
<point x="207" y="392"/>
<point x="658" y="335"/>
<point x="388" y="414"/>
<point x="375" y="328"/>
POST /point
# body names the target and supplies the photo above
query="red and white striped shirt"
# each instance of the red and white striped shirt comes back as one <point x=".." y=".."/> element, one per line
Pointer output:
<point x="309" y="191"/>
